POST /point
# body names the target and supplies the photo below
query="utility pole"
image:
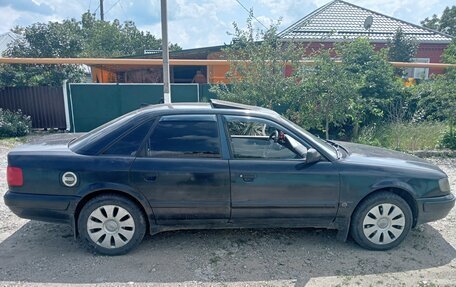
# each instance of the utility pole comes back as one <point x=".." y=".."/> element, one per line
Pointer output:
<point x="101" y="10"/>
<point x="165" y="55"/>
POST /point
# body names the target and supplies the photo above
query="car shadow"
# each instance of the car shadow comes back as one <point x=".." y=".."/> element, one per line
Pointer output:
<point x="48" y="253"/>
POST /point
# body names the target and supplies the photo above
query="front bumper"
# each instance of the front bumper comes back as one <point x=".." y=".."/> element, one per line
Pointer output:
<point x="434" y="208"/>
<point x="50" y="208"/>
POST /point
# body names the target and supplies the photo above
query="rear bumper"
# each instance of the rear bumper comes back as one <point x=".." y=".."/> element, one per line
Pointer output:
<point x="435" y="208"/>
<point x="50" y="208"/>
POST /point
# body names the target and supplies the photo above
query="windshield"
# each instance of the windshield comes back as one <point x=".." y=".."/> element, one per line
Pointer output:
<point x="99" y="132"/>
<point x="327" y="147"/>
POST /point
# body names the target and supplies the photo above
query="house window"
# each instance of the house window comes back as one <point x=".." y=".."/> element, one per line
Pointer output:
<point x="418" y="73"/>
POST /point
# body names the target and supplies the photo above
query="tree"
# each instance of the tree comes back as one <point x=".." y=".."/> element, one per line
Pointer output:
<point x="446" y="23"/>
<point x="257" y="62"/>
<point x="437" y="98"/>
<point x="71" y="38"/>
<point x="267" y="72"/>
<point x="39" y="40"/>
<point x="401" y="49"/>
<point x="327" y="94"/>
<point x="375" y="82"/>
<point x="449" y="55"/>
<point x="113" y="39"/>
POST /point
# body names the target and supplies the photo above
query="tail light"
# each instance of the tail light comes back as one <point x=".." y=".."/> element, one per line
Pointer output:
<point x="14" y="176"/>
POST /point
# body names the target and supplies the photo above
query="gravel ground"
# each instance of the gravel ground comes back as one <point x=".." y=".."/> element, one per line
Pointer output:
<point x="40" y="254"/>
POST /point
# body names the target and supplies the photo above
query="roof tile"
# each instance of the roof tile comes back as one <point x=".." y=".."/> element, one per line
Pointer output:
<point x="340" y="20"/>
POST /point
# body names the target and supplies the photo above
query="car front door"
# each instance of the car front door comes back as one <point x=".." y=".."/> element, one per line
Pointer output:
<point x="182" y="173"/>
<point x="271" y="182"/>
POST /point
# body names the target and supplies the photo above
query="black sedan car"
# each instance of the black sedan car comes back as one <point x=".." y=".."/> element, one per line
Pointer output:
<point x="220" y="165"/>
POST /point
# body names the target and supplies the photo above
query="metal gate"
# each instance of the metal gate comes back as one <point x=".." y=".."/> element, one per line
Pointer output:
<point x="91" y="105"/>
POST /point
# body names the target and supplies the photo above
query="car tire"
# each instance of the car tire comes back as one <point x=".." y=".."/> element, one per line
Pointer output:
<point x="381" y="221"/>
<point x="111" y="225"/>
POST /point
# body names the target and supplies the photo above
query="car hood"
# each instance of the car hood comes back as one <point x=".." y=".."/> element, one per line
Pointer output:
<point x="386" y="157"/>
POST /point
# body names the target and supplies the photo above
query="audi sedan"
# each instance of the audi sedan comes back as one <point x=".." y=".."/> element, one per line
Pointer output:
<point x="220" y="165"/>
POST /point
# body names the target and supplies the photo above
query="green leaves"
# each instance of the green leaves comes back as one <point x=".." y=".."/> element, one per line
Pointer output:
<point x="327" y="95"/>
<point x="401" y="48"/>
<point x="375" y="84"/>
<point x="446" y="23"/>
<point x="257" y="68"/>
<point x="14" y="124"/>
<point x="71" y="38"/>
<point x="360" y="90"/>
<point x="449" y="55"/>
<point x="436" y="99"/>
<point x="113" y="39"/>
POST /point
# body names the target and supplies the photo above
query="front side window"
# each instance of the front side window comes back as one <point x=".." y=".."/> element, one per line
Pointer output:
<point x="185" y="136"/>
<point x="253" y="138"/>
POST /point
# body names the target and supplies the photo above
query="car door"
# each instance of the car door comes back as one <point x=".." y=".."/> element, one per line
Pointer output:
<point x="181" y="171"/>
<point x="271" y="182"/>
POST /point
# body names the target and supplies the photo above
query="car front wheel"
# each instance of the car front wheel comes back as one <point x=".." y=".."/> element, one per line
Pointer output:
<point x="111" y="225"/>
<point x="381" y="222"/>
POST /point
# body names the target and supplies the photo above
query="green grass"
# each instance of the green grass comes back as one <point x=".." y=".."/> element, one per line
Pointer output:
<point x="11" y="142"/>
<point x="404" y="136"/>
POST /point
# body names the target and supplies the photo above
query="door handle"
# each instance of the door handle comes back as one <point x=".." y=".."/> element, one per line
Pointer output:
<point x="151" y="177"/>
<point x="247" y="177"/>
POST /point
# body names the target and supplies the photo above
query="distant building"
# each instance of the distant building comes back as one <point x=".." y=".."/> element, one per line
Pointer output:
<point x="178" y="74"/>
<point x="337" y="21"/>
<point x="340" y="21"/>
<point x="6" y="39"/>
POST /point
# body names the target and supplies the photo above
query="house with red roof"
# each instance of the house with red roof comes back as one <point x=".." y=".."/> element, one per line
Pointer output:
<point x="341" y="21"/>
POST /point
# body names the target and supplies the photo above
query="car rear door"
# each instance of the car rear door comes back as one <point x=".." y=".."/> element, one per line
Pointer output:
<point x="271" y="183"/>
<point x="182" y="173"/>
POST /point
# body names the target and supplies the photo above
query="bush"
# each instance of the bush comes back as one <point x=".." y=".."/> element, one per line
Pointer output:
<point x="14" y="124"/>
<point x="448" y="139"/>
<point x="368" y="136"/>
<point x="404" y="136"/>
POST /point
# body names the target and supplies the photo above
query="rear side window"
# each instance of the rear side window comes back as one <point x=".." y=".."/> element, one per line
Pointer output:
<point x="88" y="143"/>
<point x="129" y="144"/>
<point x="185" y="136"/>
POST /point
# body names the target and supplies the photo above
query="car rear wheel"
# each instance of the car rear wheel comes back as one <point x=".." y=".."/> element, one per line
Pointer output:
<point x="111" y="224"/>
<point x="381" y="222"/>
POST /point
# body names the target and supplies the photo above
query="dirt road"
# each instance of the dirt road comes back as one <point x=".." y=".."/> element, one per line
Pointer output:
<point x="41" y="254"/>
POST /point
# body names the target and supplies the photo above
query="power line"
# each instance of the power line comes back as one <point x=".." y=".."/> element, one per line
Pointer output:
<point x="90" y="4"/>
<point x="117" y="2"/>
<point x="123" y="11"/>
<point x="95" y="12"/>
<point x="248" y="11"/>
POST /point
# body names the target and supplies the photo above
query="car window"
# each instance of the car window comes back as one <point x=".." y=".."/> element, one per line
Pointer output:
<point x="185" y="136"/>
<point x="129" y="144"/>
<point x="253" y="138"/>
<point x="102" y="130"/>
<point x="322" y="144"/>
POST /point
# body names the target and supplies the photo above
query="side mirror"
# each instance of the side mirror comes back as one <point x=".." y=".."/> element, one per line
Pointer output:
<point x="312" y="156"/>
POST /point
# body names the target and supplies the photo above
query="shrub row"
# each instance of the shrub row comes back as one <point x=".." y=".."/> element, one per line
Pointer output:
<point x="14" y="124"/>
<point x="409" y="136"/>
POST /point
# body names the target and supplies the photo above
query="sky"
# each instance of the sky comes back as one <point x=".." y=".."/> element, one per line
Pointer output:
<point x="200" y="23"/>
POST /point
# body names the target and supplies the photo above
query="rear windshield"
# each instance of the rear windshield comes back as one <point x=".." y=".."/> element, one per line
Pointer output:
<point x="94" y="135"/>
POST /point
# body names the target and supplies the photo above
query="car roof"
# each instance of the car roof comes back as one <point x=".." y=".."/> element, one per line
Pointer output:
<point x="204" y="107"/>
